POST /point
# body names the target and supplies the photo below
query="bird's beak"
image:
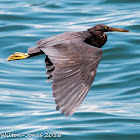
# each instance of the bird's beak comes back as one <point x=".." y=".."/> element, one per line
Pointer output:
<point x="117" y="29"/>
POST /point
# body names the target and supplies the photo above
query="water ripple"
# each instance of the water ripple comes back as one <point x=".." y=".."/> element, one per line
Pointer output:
<point x="110" y="110"/>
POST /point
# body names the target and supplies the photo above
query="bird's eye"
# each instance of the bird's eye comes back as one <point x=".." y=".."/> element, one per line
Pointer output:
<point x="106" y="28"/>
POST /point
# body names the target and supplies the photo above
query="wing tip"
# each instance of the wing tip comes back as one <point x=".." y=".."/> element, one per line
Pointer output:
<point x="67" y="113"/>
<point x="57" y="107"/>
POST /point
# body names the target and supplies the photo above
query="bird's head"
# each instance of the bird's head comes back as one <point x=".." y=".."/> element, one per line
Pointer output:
<point x="104" y="28"/>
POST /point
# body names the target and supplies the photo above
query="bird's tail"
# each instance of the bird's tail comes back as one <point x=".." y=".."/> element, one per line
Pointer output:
<point x="17" y="56"/>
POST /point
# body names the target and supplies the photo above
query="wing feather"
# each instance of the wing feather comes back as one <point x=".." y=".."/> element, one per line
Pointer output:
<point x="74" y="104"/>
<point x="72" y="69"/>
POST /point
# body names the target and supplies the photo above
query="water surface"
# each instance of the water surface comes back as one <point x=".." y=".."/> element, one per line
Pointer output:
<point x="111" y="110"/>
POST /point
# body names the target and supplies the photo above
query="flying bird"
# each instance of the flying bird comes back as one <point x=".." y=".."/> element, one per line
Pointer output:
<point x="71" y="61"/>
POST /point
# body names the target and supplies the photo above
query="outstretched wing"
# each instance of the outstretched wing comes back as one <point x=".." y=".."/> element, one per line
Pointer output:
<point x="74" y="66"/>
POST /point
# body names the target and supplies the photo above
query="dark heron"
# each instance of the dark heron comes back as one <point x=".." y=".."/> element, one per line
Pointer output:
<point x="71" y="63"/>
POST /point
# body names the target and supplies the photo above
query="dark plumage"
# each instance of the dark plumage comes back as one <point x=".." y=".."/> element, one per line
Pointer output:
<point x="71" y="63"/>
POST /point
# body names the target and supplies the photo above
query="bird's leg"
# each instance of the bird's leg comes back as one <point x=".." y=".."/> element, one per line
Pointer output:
<point x="17" y="56"/>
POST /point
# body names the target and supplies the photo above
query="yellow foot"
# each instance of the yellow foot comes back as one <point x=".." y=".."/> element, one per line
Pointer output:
<point x="17" y="56"/>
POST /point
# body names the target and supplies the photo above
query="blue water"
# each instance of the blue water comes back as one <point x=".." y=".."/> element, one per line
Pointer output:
<point x="111" y="110"/>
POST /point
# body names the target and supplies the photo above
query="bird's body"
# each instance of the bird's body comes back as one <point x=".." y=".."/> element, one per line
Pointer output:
<point x="71" y="62"/>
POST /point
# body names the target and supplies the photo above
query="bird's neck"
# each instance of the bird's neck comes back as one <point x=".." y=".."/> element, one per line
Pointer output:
<point x="97" y="38"/>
